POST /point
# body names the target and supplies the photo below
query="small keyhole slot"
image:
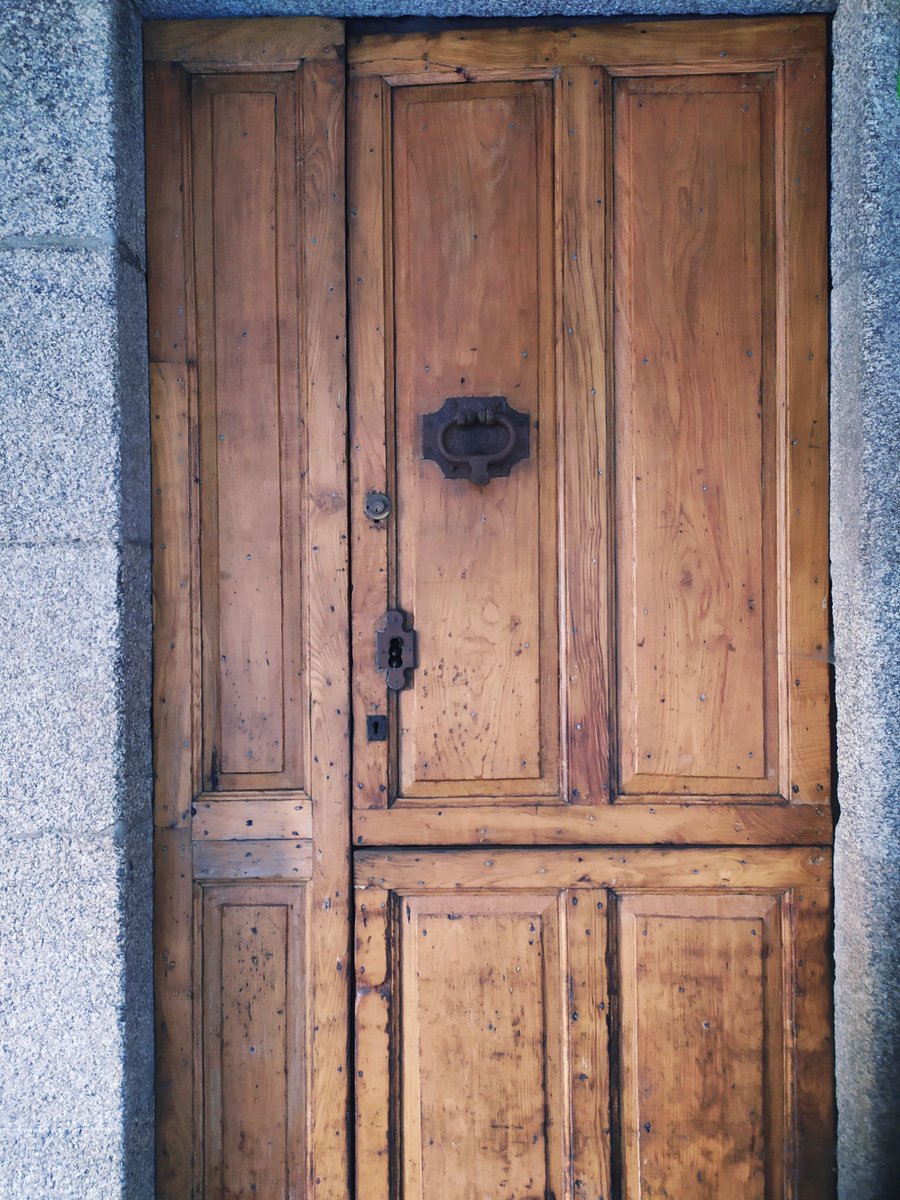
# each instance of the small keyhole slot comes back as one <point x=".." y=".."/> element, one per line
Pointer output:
<point x="376" y="727"/>
<point x="395" y="653"/>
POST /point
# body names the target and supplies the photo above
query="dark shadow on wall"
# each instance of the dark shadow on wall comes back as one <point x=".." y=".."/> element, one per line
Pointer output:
<point x="134" y="830"/>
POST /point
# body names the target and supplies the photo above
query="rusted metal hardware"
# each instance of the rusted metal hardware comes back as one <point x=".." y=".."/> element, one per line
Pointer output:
<point x="478" y="438"/>
<point x="376" y="727"/>
<point x="395" y="650"/>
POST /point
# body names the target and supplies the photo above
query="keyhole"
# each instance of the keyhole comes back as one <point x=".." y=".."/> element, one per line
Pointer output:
<point x="395" y="653"/>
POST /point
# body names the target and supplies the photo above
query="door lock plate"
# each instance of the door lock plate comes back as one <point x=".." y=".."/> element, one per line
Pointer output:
<point x="395" y="650"/>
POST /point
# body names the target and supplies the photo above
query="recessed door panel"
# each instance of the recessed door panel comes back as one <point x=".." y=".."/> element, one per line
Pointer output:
<point x="481" y="1041"/>
<point x="704" y="1077"/>
<point x="475" y="564"/>
<point x="255" y="995"/>
<point x="696" y="435"/>
<point x="250" y="429"/>
<point x="481" y="986"/>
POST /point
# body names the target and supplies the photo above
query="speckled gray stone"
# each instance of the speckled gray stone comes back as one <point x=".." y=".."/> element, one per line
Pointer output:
<point x="59" y="678"/>
<point x="75" y="767"/>
<point x="865" y="514"/>
<point x="75" y="888"/>
<point x="59" y="421"/>
<point x="61" y="998"/>
<point x="70" y="139"/>
<point x="476" y="8"/>
<point x="865" y="189"/>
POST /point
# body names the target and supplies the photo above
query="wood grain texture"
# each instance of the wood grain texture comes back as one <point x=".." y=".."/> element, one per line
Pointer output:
<point x="509" y="988"/>
<point x="175" y="577"/>
<point x="251" y="819"/>
<point x="476" y="566"/>
<point x="453" y="870"/>
<point x="371" y="381"/>
<point x="695" y="415"/>
<point x="253" y="964"/>
<point x="583" y="163"/>
<point x="696" y="966"/>
<point x="271" y="858"/>
<point x="167" y="144"/>
<point x="632" y="45"/>
<point x="469" y="173"/>
<point x="251" y="429"/>
<point x="262" y="44"/>
<point x="803" y="333"/>
<point x="587" y="964"/>
<point x="173" y="1011"/>
<point x="466" y="727"/>
<point x="324" y="325"/>
<point x="701" y="1041"/>
<point x="811" y="1166"/>
<point x="375" y="1054"/>
<point x="481" y="1128"/>
<point x="259" y="176"/>
<point x="173" y="448"/>
<point x="655" y="821"/>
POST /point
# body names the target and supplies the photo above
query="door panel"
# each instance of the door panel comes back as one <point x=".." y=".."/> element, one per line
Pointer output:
<point x="624" y="638"/>
<point x="471" y="174"/>
<point x="473" y="1078"/>
<point x="247" y="326"/>
<point x="696" y="417"/>
<point x="251" y="425"/>
<point x="497" y="998"/>
<point x="702" y="1029"/>
<point x="481" y="984"/>
<point x="255" y="996"/>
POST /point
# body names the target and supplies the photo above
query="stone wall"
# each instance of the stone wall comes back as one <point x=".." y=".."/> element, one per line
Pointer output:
<point x="75" y="969"/>
<point x="865" y="551"/>
<point x="75" y="973"/>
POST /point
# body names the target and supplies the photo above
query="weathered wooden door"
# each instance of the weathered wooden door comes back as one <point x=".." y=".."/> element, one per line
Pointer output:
<point x="245" y="172"/>
<point x="545" y="665"/>
<point x="598" y="968"/>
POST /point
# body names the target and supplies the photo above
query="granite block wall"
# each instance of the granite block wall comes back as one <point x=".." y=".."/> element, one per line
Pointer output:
<point x="75" y="969"/>
<point x="865" y="541"/>
<point x="75" y="781"/>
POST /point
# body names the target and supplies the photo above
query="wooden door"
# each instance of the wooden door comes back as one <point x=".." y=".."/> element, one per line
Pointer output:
<point x="588" y="462"/>
<point x="247" y="324"/>
<point x="569" y="594"/>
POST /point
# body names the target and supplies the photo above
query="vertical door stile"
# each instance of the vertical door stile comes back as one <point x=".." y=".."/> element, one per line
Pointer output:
<point x="368" y="263"/>
<point x="324" y="293"/>
<point x="585" y="461"/>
